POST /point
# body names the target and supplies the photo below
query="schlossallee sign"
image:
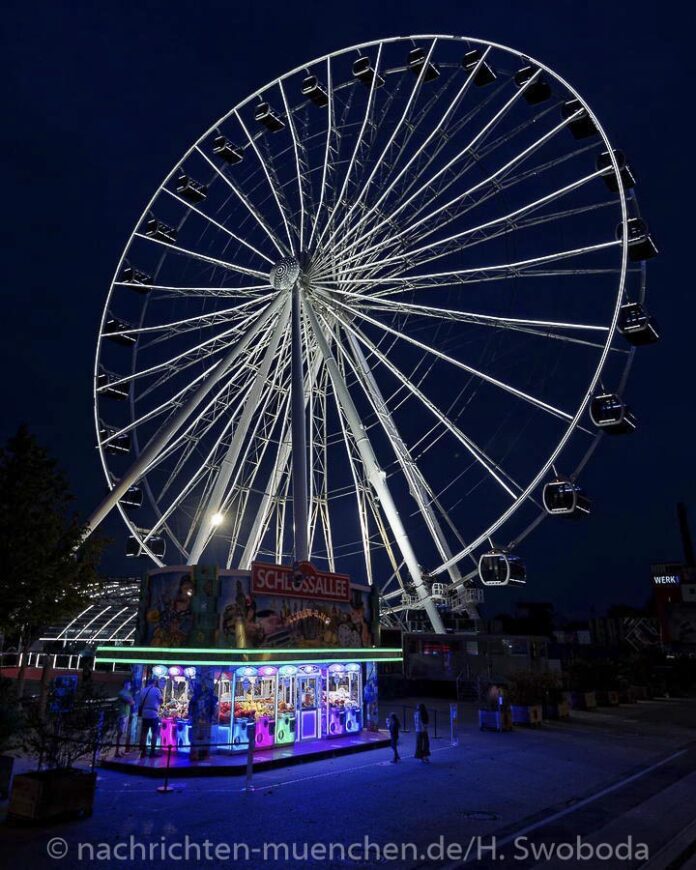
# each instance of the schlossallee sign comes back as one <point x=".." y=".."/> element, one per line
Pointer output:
<point x="302" y="581"/>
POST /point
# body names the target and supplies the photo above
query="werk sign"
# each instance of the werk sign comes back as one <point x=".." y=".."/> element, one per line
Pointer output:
<point x="303" y="581"/>
<point x="666" y="580"/>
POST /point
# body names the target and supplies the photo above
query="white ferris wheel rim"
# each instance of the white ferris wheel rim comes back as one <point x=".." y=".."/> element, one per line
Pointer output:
<point x="611" y="329"/>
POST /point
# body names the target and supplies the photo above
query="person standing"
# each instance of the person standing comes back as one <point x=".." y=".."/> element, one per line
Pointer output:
<point x="420" y="724"/>
<point x="125" y="708"/>
<point x="149" y="712"/>
<point x="394" y="727"/>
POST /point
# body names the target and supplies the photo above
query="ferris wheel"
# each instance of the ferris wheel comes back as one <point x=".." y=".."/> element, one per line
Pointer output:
<point x="378" y="316"/>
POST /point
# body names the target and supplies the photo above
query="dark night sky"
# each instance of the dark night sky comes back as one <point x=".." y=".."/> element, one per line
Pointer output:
<point x="100" y="100"/>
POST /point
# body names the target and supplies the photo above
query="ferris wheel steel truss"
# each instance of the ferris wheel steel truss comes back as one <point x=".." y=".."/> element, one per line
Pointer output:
<point x="332" y="261"/>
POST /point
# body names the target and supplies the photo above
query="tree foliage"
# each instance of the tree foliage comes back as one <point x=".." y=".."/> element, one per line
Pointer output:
<point x="72" y="732"/>
<point x="46" y="569"/>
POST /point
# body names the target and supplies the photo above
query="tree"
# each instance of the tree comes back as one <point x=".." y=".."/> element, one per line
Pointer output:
<point x="47" y="568"/>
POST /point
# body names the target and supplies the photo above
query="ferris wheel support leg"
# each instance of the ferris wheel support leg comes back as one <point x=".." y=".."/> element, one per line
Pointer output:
<point x="162" y="438"/>
<point x="375" y="475"/>
<point x="260" y="523"/>
<point x="417" y="482"/>
<point x="299" y="434"/>
<point x="229" y="461"/>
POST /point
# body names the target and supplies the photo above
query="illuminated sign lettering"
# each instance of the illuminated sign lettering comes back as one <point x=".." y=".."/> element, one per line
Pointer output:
<point x="666" y="580"/>
<point x="305" y="582"/>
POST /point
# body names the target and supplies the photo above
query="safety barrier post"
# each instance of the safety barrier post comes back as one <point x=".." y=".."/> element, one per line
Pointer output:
<point x="251" y="734"/>
<point x="163" y="789"/>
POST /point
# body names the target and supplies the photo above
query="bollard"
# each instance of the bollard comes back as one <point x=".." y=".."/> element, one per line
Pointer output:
<point x="163" y="789"/>
<point x="435" y="724"/>
<point x="251" y="734"/>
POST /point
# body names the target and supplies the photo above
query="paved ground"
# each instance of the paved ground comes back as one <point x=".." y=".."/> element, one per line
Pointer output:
<point x="606" y="777"/>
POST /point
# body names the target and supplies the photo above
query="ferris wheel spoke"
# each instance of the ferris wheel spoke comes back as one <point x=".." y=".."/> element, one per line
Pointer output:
<point x="169" y="430"/>
<point x="324" y="508"/>
<point x="249" y="455"/>
<point x="516" y="226"/>
<point x="508" y="388"/>
<point x="228" y="463"/>
<point x="262" y="518"/>
<point x="330" y="133"/>
<point x="390" y="306"/>
<point x="199" y="351"/>
<point x="358" y="486"/>
<point x="193" y="480"/>
<point x="392" y="138"/>
<point x="293" y="133"/>
<point x="203" y="292"/>
<point x="256" y="406"/>
<point x="358" y="143"/>
<point x="493" y="468"/>
<point x="281" y="465"/>
<point x="197" y="321"/>
<point x="387" y="242"/>
<point x="205" y="258"/>
<point x="511" y="275"/>
<point x="477" y="139"/>
<point x="216" y="224"/>
<point x="414" y="281"/>
<point x="437" y="129"/>
<point x="278" y="416"/>
<point x="372" y="471"/>
<point x="282" y="250"/>
<point x="226" y="401"/>
<point x="418" y="486"/>
<point x="489" y="184"/>
<point x="177" y="371"/>
<point x="505" y="220"/>
<point x="493" y="178"/>
<point x="478" y="156"/>
<point x="172" y="403"/>
<point x="272" y="186"/>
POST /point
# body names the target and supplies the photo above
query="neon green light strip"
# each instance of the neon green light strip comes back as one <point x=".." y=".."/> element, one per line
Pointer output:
<point x="223" y="662"/>
<point x="245" y="651"/>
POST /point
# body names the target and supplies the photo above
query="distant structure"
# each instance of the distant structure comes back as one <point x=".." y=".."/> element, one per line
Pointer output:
<point x="674" y="585"/>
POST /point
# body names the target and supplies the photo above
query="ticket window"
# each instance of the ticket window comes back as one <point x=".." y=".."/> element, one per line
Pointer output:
<point x="309" y="702"/>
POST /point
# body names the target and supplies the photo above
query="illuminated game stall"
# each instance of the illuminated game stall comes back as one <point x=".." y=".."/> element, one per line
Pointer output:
<point x="234" y="649"/>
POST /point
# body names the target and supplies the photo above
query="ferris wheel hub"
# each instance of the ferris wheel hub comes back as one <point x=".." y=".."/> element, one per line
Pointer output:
<point x="285" y="273"/>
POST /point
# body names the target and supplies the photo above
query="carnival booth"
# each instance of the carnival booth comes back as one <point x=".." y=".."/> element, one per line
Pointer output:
<point x="296" y="660"/>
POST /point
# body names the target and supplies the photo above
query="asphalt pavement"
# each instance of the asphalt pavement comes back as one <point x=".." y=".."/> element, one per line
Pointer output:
<point x="612" y="788"/>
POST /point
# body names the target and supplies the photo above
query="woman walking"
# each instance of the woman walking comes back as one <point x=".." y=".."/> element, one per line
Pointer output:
<point x="420" y="724"/>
